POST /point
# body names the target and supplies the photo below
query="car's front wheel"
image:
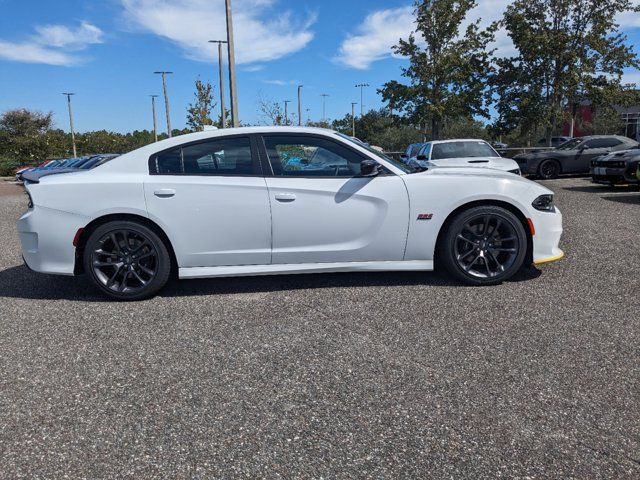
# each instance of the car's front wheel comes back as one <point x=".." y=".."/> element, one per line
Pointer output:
<point x="483" y="245"/>
<point x="549" y="169"/>
<point x="126" y="260"/>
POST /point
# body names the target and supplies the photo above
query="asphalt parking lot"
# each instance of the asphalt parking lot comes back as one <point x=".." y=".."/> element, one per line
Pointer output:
<point x="385" y="375"/>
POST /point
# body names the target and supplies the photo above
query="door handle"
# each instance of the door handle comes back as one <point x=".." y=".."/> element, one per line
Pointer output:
<point x="285" y="197"/>
<point x="164" y="192"/>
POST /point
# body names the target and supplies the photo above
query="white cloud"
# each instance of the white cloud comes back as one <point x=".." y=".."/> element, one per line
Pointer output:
<point x="375" y="36"/>
<point x="34" y="53"/>
<point x="191" y="23"/>
<point x="61" y="36"/>
<point x="52" y="45"/>
<point x="380" y="31"/>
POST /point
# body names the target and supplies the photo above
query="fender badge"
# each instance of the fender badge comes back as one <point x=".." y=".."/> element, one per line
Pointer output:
<point x="425" y="216"/>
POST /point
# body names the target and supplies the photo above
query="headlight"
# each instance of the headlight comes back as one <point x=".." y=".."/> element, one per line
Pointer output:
<point x="544" y="203"/>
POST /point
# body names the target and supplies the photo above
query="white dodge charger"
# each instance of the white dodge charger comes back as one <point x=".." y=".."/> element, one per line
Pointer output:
<point x="267" y="200"/>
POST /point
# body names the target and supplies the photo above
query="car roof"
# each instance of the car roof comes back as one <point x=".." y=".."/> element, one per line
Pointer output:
<point x="453" y="140"/>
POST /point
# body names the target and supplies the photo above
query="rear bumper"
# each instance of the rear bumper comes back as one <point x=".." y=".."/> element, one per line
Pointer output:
<point x="46" y="236"/>
<point x="546" y="240"/>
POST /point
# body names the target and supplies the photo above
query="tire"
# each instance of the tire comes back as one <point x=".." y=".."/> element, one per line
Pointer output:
<point x="483" y="245"/>
<point x="126" y="260"/>
<point x="549" y="169"/>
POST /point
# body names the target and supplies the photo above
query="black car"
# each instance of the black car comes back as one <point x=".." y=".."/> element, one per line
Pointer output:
<point x="573" y="156"/>
<point x="618" y="167"/>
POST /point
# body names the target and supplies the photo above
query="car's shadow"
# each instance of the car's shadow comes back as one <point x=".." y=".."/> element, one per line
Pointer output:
<point x="630" y="199"/>
<point x="20" y="282"/>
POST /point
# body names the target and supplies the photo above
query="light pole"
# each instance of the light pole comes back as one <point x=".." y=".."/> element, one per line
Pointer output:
<point x="73" y="134"/>
<point x="353" y="118"/>
<point x="361" y="85"/>
<point x="223" y="113"/>
<point x="233" y="93"/>
<point x="166" y="99"/>
<point x="155" y="119"/>
<point x="324" y="105"/>
<point x="300" y="105"/>
<point x="286" y="114"/>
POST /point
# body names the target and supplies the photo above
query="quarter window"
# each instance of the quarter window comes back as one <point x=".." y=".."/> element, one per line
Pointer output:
<point x="311" y="157"/>
<point x="226" y="156"/>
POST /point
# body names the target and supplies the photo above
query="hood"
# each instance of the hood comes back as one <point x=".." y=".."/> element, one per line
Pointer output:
<point x="633" y="154"/>
<point x="498" y="163"/>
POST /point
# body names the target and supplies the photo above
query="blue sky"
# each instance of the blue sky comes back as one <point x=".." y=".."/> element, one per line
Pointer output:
<point x="107" y="50"/>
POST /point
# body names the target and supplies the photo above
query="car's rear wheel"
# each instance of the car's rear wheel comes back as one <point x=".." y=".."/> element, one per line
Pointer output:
<point x="483" y="245"/>
<point x="549" y="169"/>
<point x="126" y="260"/>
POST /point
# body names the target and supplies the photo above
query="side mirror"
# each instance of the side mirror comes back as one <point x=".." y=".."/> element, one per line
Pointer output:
<point x="422" y="157"/>
<point x="369" y="168"/>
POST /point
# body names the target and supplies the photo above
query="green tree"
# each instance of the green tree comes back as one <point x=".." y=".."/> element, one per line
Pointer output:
<point x="199" y="112"/>
<point x="567" y="51"/>
<point x="446" y="71"/>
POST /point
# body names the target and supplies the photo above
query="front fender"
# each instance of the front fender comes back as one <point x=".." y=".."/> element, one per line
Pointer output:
<point x="434" y="198"/>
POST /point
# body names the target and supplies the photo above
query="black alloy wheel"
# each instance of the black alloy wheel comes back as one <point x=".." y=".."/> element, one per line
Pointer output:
<point x="549" y="169"/>
<point x="127" y="260"/>
<point x="483" y="245"/>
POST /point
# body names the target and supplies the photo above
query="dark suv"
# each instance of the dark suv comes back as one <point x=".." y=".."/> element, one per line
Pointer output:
<point x="573" y="156"/>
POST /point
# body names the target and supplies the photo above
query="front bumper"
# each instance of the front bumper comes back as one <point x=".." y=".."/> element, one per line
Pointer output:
<point x="46" y="236"/>
<point x="548" y="230"/>
<point x="608" y="175"/>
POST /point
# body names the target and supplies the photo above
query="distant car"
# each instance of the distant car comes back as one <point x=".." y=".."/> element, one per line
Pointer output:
<point x="555" y="141"/>
<point x="461" y="153"/>
<point x="411" y="151"/>
<point x="617" y="167"/>
<point x="573" y="156"/>
<point x="85" y="163"/>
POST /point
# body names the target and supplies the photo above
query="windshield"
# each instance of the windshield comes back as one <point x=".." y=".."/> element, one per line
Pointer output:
<point x="396" y="163"/>
<point x="571" y="144"/>
<point x="474" y="148"/>
<point x="414" y="149"/>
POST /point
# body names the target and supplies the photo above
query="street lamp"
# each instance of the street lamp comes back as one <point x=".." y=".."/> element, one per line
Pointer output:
<point x="232" y="66"/>
<point x="300" y="105"/>
<point x="353" y="118"/>
<point x="73" y="134"/>
<point x="223" y="113"/>
<point x="155" y="120"/>
<point x="286" y="114"/>
<point x="166" y="98"/>
<point x="361" y="86"/>
<point x="324" y="110"/>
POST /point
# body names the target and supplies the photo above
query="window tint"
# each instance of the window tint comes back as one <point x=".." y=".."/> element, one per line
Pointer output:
<point x="227" y="156"/>
<point x="462" y="150"/>
<point x="426" y="150"/>
<point x="603" y="143"/>
<point x="311" y="157"/>
<point x="414" y="150"/>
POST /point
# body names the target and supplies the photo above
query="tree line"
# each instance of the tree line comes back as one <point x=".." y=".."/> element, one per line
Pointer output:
<point x="565" y="52"/>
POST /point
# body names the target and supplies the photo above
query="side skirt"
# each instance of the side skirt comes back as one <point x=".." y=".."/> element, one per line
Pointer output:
<point x="288" y="269"/>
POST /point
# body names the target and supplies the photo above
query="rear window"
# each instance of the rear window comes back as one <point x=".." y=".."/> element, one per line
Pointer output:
<point x="226" y="156"/>
<point x="462" y="150"/>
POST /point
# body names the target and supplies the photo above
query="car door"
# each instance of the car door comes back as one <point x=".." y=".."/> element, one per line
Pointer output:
<point x="593" y="148"/>
<point x="211" y="199"/>
<point x="323" y="211"/>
